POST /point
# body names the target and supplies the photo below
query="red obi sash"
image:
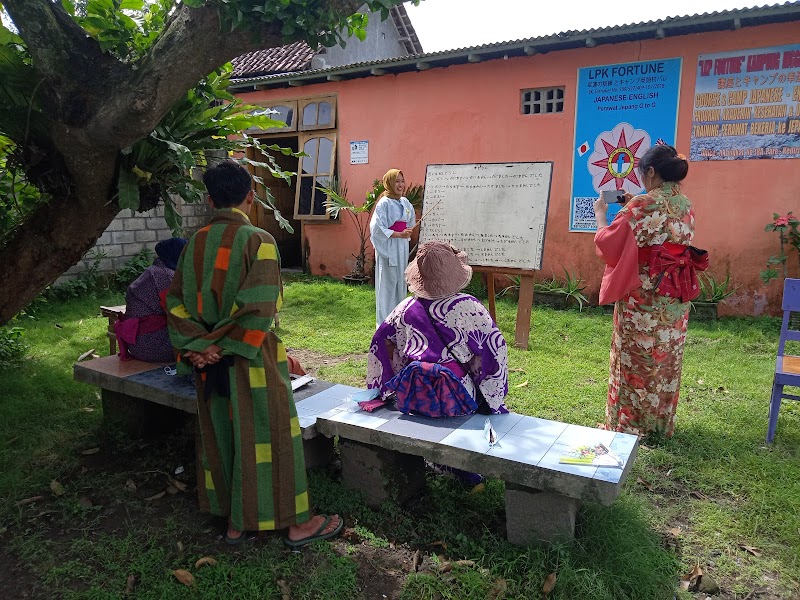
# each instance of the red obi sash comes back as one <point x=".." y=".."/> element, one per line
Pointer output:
<point x="128" y="330"/>
<point x="675" y="267"/>
<point x="399" y="226"/>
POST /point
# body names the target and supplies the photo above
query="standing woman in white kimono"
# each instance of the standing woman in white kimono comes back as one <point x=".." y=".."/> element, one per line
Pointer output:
<point x="390" y="231"/>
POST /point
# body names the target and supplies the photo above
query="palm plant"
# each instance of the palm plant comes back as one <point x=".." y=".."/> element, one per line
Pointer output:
<point x="336" y="203"/>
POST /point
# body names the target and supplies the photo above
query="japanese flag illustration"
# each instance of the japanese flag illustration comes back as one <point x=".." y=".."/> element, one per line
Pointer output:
<point x="583" y="148"/>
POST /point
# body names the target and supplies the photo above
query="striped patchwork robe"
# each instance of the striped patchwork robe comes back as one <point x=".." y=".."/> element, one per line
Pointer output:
<point x="226" y="291"/>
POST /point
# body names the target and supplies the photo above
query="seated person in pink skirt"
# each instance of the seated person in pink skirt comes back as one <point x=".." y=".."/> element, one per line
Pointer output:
<point x="439" y="352"/>
<point x="142" y="333"/>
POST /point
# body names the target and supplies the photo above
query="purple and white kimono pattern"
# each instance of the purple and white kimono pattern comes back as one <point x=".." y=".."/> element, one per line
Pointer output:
<point x="463" y="323"/>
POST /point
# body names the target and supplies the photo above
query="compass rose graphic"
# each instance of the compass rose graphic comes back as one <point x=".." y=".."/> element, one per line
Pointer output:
<point x="616" y="154"/>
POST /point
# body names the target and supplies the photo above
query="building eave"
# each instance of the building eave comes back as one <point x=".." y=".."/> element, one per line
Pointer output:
<point x="670" y="27"/>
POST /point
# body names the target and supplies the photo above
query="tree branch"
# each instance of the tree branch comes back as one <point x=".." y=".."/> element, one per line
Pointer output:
<point x="60" y="48"/>
<point x="192" y="45"/>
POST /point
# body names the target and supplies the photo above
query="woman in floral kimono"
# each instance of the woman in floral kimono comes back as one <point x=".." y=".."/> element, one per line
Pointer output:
<point x="439" y="352"/>
<point x="650" y="275"/>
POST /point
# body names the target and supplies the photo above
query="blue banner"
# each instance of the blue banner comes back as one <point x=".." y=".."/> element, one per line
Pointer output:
<point x="747" y="105"/>
<point x="621" y="110"/>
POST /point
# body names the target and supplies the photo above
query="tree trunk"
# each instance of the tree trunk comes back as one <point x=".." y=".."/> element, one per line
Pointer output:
<point x="57" y="235"/>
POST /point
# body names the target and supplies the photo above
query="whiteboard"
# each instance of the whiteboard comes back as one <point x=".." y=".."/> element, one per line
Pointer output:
<point x="495" y="212"/>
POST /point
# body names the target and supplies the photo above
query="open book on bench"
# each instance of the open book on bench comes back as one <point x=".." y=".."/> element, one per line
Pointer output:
<point x="597" y="455"/>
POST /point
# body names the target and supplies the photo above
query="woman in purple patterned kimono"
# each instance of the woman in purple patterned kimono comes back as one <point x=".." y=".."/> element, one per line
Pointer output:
<point x="439" y="352"/>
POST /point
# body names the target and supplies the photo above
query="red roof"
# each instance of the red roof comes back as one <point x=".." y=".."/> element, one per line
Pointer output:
<point x="286" y="59"/>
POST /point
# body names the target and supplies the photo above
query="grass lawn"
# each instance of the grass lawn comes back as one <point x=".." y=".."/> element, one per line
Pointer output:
<point x="83" y="513"/>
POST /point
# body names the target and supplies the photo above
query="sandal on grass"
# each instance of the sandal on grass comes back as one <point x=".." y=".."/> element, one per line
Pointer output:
<point x="235" y="541"/>
<point x="317" y="535"/>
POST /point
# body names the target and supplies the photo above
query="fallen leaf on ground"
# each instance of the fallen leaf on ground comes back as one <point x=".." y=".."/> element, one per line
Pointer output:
<point x="178" y="485"/>
<point x="171" y="490"/>
<point x="90" y="451"/>
<point x="131" y="585"/>
<point x="30" y="500"/>
<point x="439" y="543"/>
<point x="87" y="409"/>
<point x="646" y="484"/>
<point x="184" y="576"/>
<point x="286" y="593"/>
<point x="156" y="496"/>
<point x="85" y="354"/>
<point x="549" y="583"/>
<point x="180" y="546"/>
<point x="478" y="489"/>
<point x="690" y="580"/>
<point x="206" y="560"/>
<point x="465" y="563"/>
<point x="750" y="549"/>
<point x="130" y="485"/>
<point x="85" y="502"/>
<point x="516" y="370"/>
<point x="445" y="567"/>
<point x="698" y="495"/>
<point x="700" y="381"/>
<point x="56" y="488"/>
<point x="523" y="384"/>
<point x="498" y="590"/>
<point x="676" y="531"/>
<point x="415" y="561"/>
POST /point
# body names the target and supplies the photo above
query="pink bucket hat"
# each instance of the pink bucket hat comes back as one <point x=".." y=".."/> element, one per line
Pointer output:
<point x="438" y="271"/>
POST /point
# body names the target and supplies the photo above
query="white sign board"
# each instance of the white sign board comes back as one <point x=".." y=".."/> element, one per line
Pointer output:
<point x="359" y="152"/>
<point x="495" y="212"/>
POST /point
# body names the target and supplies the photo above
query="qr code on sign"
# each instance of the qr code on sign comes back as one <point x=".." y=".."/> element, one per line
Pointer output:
<point x="583" y="213"/>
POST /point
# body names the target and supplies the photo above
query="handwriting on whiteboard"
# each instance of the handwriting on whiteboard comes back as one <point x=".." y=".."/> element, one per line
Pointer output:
<point x="495" y="212"/>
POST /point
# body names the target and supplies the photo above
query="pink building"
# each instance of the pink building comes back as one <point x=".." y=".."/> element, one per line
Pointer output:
<point x="518" y="102"/>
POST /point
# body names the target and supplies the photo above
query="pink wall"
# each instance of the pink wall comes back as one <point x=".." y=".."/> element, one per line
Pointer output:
<point x="470" y="113"/>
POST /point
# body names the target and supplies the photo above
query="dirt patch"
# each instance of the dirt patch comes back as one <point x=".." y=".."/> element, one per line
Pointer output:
<point x="312" y="361"/>
<point x="382" y="571"/>
<point x="16" y="580"/>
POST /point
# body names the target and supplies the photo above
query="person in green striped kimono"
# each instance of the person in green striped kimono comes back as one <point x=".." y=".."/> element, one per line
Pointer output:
<point x="220" y="311"/>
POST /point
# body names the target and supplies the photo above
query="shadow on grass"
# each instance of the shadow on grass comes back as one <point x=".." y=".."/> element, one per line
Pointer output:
<point x="615" y="556"/>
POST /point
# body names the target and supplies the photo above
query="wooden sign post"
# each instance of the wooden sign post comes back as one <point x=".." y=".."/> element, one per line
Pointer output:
<point x="524" y="301"/>
<point x="496" y="213"/>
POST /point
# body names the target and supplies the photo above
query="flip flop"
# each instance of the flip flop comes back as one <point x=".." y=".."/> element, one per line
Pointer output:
<point x="235" y="541"/>
<point x="317" y="535"/>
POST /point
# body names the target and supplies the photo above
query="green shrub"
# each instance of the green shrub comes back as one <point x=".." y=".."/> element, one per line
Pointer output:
<point x="133" y="268"/>
<point x="12" y="348"/>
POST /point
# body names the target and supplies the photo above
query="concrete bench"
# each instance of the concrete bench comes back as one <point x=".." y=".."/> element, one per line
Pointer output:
<point x="383" y="455"/>
<point x="141" y="397"/>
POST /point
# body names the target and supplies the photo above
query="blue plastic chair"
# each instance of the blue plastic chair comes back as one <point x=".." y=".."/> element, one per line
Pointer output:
<point x="787" y="367"/>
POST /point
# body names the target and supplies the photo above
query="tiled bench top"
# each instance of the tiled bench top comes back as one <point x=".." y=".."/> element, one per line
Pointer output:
<point x="527" y="451"/>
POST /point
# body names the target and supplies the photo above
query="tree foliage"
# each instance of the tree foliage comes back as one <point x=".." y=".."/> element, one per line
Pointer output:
<point x="111" y="104"/>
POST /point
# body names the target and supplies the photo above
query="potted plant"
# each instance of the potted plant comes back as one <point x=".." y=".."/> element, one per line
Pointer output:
<point x="712" y="292"/>
<point x="337" y="201"/>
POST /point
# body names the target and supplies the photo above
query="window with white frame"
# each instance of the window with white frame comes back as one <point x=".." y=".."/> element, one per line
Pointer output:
<point x="538" y="101"/>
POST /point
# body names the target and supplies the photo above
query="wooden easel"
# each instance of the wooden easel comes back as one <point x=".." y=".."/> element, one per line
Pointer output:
<point x="524" y="303"/>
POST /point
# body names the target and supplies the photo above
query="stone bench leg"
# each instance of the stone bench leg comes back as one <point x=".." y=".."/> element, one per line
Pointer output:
<point x="137" y="417"/>
<point x="319" y="451"/>
<point x="380" y="474"/>
<point x="535" y="516"/>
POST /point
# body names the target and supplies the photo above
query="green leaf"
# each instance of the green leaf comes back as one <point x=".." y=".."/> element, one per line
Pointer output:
<point x="131" y="5"/>
<point x="128" y="189"/>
